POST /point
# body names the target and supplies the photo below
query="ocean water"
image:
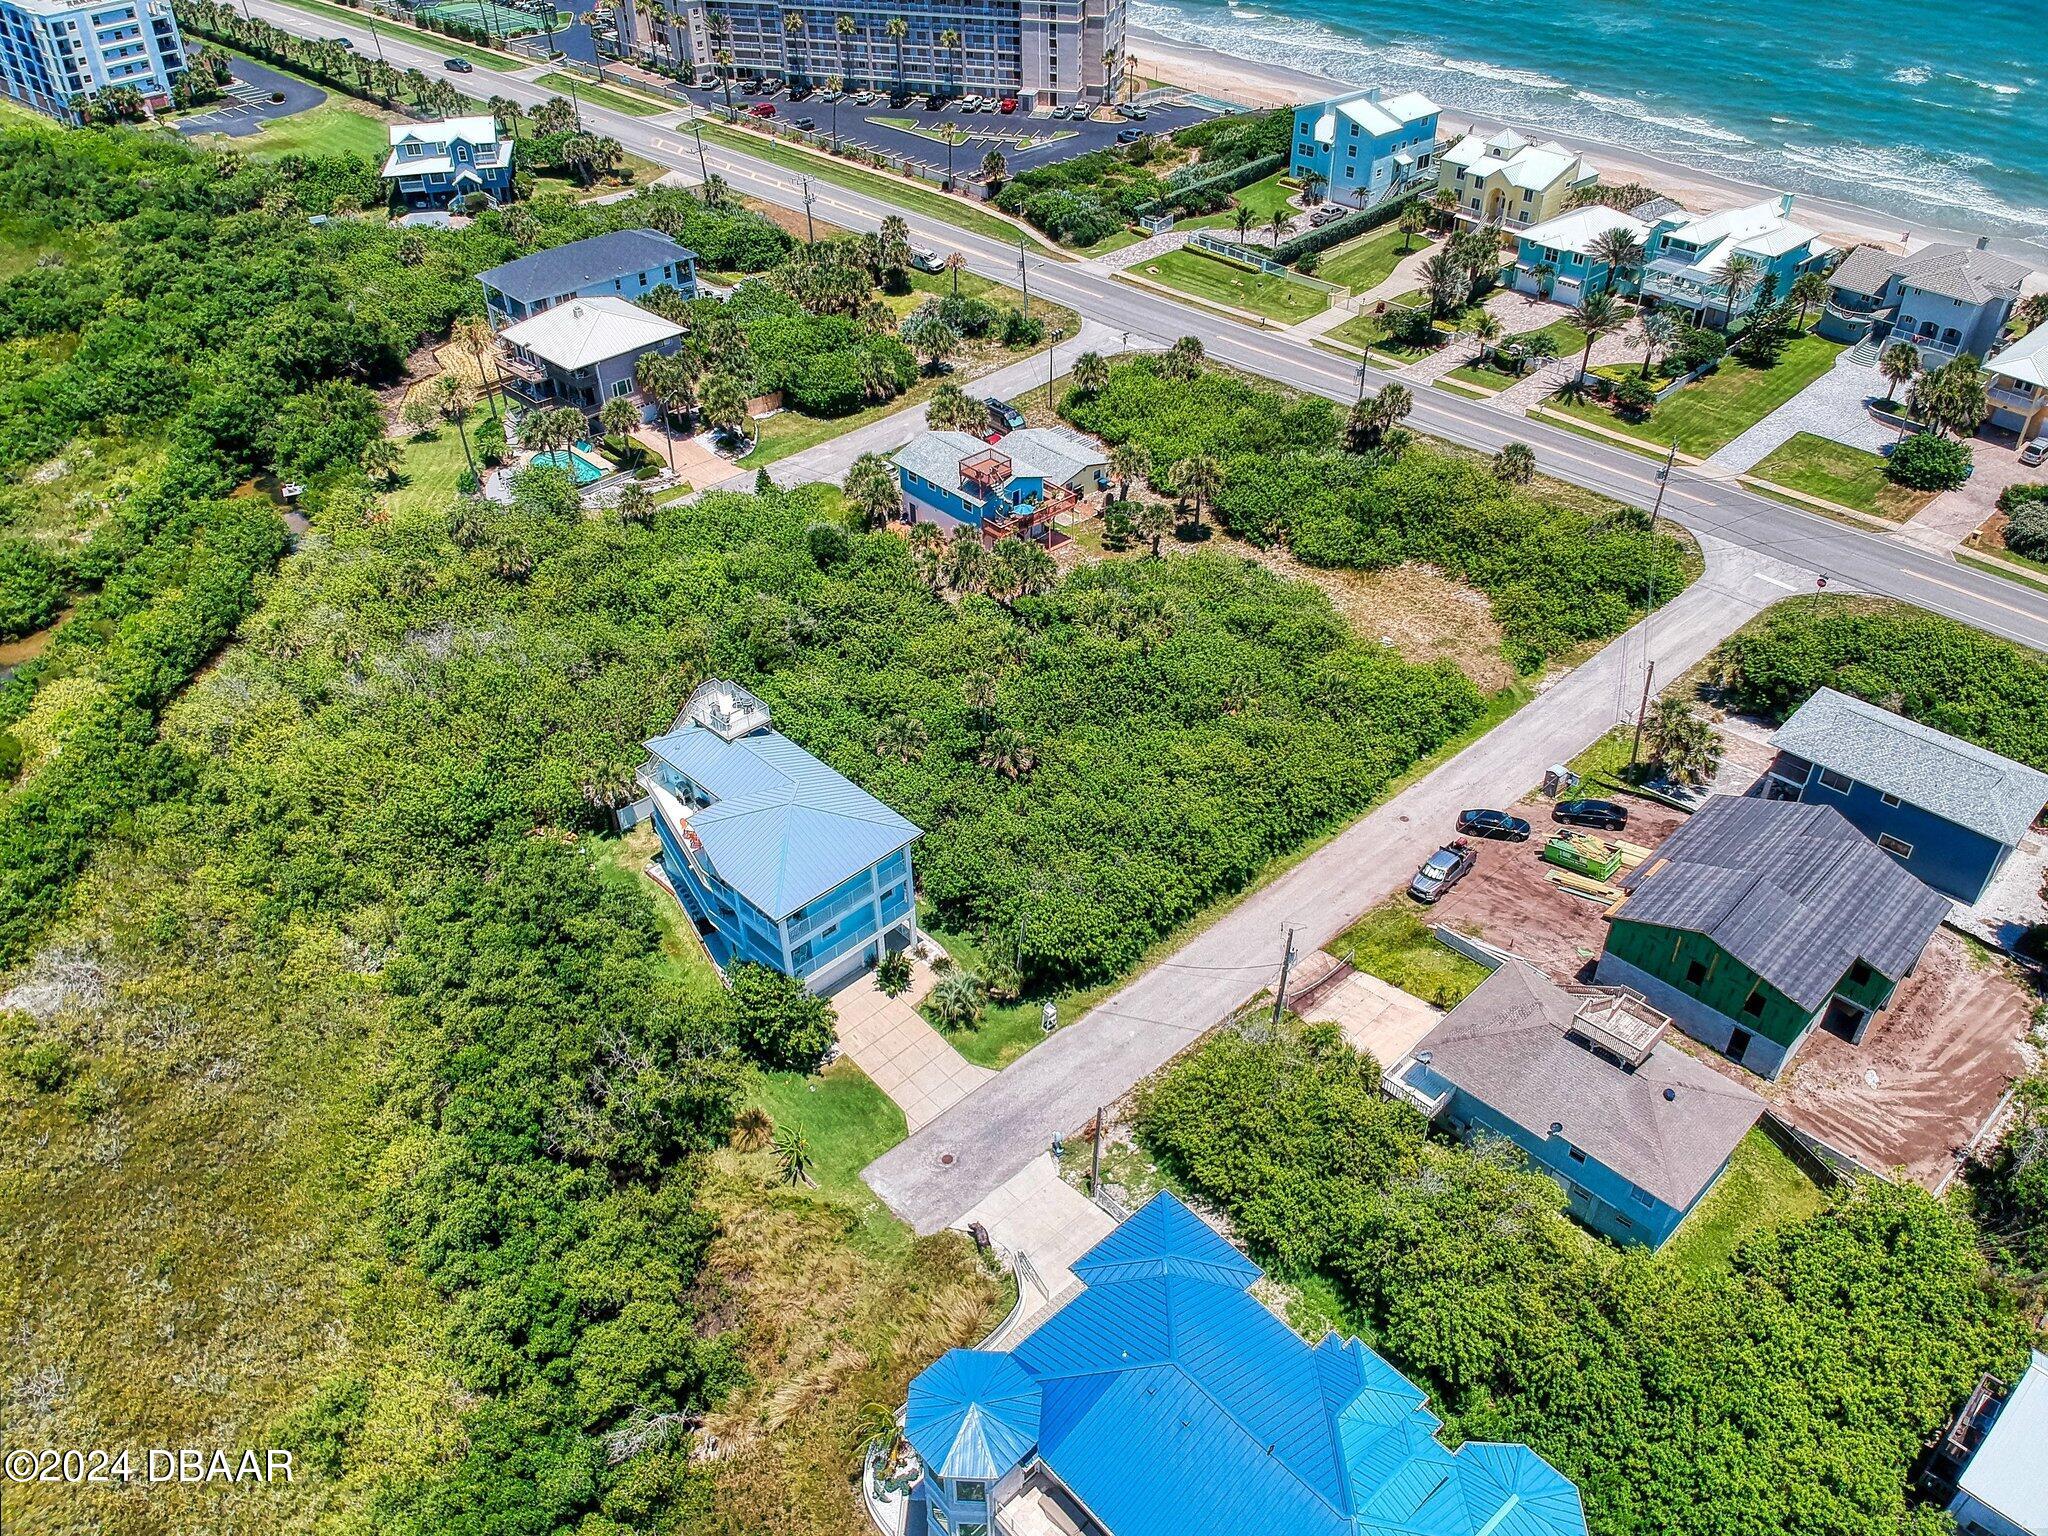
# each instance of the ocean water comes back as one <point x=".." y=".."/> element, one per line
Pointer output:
<point x="1937" y="111"/>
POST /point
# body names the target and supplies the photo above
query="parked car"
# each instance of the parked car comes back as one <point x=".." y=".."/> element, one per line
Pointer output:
<point x="936" y="103"/>
<point x="762" y="109"/>
<point x="801" y="93"/>
<point x="2035" y="451"/>
<point x="927" y="261"/>
<point x="1129" y="135"/>
<point x="1442" y="870"/>
<point x="1495" y="824"/>
<point x="1603" y="814"/>
<point x="1004" y="414"/>
<point x="1137" y="114"/>
<point x="831" y="96"/>
<point x="806" y="123"/>
<point x="1325" y="214"/>
<point x="459" y="66"/>
<point x="1007" y="105"/>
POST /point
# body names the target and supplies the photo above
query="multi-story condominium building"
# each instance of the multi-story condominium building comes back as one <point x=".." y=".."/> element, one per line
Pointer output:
<point x="1365" y="147"/>
<point x="625" y="264"/>
<point x="1044" y="52"/>
<point x="1944" y="299"/>
<point x="1509" y="182"/>
<point x="779" y="860"/>
<point x="435" y="163"/>
<point x="52" y="51"/>
<point x="1162" y="1398"/>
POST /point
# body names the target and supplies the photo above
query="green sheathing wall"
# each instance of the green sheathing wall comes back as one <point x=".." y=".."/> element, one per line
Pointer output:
<point x="1875" y="992"/>
<point x="1668" y="954"/>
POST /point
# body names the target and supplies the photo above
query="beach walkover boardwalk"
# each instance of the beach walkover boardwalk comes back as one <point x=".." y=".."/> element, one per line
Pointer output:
<point x="939" y="1173"/>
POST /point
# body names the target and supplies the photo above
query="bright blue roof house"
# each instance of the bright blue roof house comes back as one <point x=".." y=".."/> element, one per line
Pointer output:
<point x="1366" y="147"/>
<point x="1163" y="1400"/>
<point x="779" y="860"/>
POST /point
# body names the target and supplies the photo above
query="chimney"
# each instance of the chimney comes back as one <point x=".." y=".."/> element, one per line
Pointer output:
<point x="1785" y="206"/>
<point x="1983" y="242"/>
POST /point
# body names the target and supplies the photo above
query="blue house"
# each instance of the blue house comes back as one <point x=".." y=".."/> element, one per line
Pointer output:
<point x="625" y="264"/>
<point x="433" y="164"/>
<point x="1365" y="147"/>
<point x="1018" y="485"/>
<point x="1164" y="1400"/>
<point x="1948" y="811"/>
<point x="1691" y="258"/>
<point x="1579" y="1078"/>
<point x="779" y="860"/>
<point x="1556" y="260"/>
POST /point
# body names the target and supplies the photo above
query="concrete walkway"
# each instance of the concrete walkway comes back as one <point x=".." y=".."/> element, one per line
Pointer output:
<point x="1832" y="406"/>
<point x="949" y="1166"/>
<point x="905" y="1057"/>
<point x="1040" y="1215"/>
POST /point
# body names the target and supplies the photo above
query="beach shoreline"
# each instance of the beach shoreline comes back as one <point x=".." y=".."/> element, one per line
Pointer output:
<point x="1250" y="82"/>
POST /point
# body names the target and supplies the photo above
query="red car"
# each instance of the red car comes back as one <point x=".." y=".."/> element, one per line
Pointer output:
<point x="1008" y="104"/>
<point x="762" y="109"/>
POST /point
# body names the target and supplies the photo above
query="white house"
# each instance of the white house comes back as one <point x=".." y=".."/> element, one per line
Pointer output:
<point x="2019" y="385"/>
<point x="2003" y="1490"/>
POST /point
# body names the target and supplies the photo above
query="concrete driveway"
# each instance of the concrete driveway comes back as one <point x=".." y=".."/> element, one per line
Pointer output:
<point x="1040" y="1215"/>
<point x="1376" y="1016"/>
<point x="946" y="1167"/>
<point x="905" y="1057"/>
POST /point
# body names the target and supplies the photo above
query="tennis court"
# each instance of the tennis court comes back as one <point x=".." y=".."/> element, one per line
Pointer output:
<point x="501" y="20"/>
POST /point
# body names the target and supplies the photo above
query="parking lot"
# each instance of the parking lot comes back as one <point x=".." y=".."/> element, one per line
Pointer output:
<point x="246" y="104"/>
<point x="918" y="133"/>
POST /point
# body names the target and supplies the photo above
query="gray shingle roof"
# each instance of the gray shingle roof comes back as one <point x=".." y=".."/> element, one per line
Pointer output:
<point x="1506" y="1045"/>
<point x="1865" y="270"/>
<point x="566" y="268"/>
<point x="1792" y="891"/>
<point x="1961" y="272"/>
<point x="1954" y="779"/>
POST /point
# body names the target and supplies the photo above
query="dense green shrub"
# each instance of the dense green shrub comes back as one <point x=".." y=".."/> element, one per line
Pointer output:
<point x="2026" y="526"/>
<point x="823" y="365"/>
<point x="778" y="1022"/>
<point x="31" y="588"/>
<point x="1789" y="1394"/>
<point x="1556" y="575"/>
<point x="1695" y="348"/>
<point x="1927" y="462"/>
<point x="2011" y="1186"/>
<point x="1925" y="667"/>
<point x="2013" y="497"/>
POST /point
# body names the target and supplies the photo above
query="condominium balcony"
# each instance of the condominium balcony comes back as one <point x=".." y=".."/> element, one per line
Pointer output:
<point x="2017" y="399"/>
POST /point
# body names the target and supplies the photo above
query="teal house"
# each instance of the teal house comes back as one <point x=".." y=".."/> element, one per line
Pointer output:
<point x="778" y="859"/>
<point x="1162" y="1399"/>
<point x="1365" y="147"/>
<point x="1018" y="485"/>
<point x="1584" y="1082"/>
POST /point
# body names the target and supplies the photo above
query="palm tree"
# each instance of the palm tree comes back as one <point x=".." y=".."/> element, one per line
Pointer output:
<point x="474" y="333"/>
<point x="793" y="1155"/>
<point x="846" y="27"/>
<point x="1312" y="184"/>
<point x="1182" y="360"/>
<point x="956" y="262"/>
<point x="1599" y="315"/>
<point x="1659" y="328"/>
<point x="1200" y="478"/>
<point x="1128" y="461"/>
<point x="1619" y="252"/>
<point x="636" y="506"/>
<point x="453" y="399"/>
<point x="591" y="19"/>
<point x="872" y="488"/>
<point x="380" y="460"/>
<point x="1448" y="282"/>
<point x="1515" y="464"/>
<point x="1739" y="278"/>
<point x="1028" y="570"/>
<point x="792" y="30"/>
<point x="1091" y="373"/>
<point x="1487" y="328"/>
<point x="1546" y="277"/>
<point x="950" y="409"/>
<point x="949" y="42"/>
<point x="1005" y="751"/>
<point x="903" y="737"/>
<point x="1243" y="219"/>
<point x="724" y="402"/>
<point x="1898" y="363"/>
<point x="1413" y="221"/>
<point x="619" y="416"/>
<point x="956" y="1000"/>
<point x="1279" y="225"/>
<point x="898" y="29"/>
<point x="1683" y="744"/>
<point x="966" y="562"/>
<point x="1151" y="520"/>
<point x="1809" y="291"/>
<point x="994" y="167"/>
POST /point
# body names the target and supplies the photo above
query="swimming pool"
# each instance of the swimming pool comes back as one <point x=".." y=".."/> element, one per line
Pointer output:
<point x="577" y="461"/>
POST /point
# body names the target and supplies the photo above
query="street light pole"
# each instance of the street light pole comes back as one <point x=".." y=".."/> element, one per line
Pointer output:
<point x="810" y="227"/>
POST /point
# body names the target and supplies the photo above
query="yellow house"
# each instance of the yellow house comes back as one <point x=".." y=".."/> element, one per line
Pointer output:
<point x="1509" y="182"/>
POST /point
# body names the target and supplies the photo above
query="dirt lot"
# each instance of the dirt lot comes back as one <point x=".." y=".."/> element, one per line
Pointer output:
<point x="1918" y="1086"/>
<point x="1508" y="900"/>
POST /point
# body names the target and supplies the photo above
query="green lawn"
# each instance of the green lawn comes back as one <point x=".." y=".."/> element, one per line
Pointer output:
<point x="1221" y="282"/>
<point x="602" y="95"/>
<point x="624" y="860"/>
<point x="1603" y="767"/>
<point x="1115" y="242"/>
<point x="1481" y="376"/>
<point x="1569" y="340"/>
<point x="337" y="126"/>
<point x="1366" y="261"/>
<point x="1762" y="1190"/>
<point x="1712" y="412"/>
<point x="1393" y="942"/>
<point x="847" y="1120"/>
<point x="1368" y="331"/>
<point x="1263" y="198"/>
<point x="902" y="192"/>
<point x="431" y="469"/>
<point x="434" y="40"/>
<point x="634" y="171"/>
<point x="1834" y="471"/>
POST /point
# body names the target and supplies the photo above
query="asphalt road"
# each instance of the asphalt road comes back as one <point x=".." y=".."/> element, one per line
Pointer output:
<point x="1847" y="555"/>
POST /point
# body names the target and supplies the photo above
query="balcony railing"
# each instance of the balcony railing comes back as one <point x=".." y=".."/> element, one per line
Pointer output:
<point x="2018" y="399"/>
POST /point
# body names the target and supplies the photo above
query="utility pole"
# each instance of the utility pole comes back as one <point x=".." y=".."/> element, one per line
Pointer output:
<point x="1280" y="997"/>
<point x="703" y="169"/>
<point x="1635" y="747"/>
<point x="1361" y="383"/>
<point x="1057" y="337"/>
<point x="810" y="227"/>
<point x="1095" y="1164"/>
<point x="1024" y="276"/>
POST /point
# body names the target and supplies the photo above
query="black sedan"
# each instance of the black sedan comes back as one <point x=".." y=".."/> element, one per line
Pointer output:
<point x="1604" y="814"/>
<point x="1496" y="824"/>
<point x="1442" y="870"/>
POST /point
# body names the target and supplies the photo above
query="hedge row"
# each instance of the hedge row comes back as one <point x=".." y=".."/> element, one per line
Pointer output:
<point x="1337" y="231"/>
<point x="1241" y="175"/>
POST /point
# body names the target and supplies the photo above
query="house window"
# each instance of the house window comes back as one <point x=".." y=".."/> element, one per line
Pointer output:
<point x="1839" y="782"/>
<point x="970" y="1492"/>
<point x="1859" y="974"/>
<point x="1894" y="845"/>
<point x="1753" y="1005"/>
<point x="1575" y="1154"/>
<point x="1641" y="1197"/>
<point x="1891" y="800"/>
<point x="1695" y="974"/>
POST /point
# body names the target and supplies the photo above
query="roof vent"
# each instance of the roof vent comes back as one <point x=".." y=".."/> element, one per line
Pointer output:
<point x="1670" y="1095"/>
<point x="576" y="311"/>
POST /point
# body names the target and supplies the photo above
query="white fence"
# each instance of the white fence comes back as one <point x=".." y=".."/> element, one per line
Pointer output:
<point x="1244" y="256"/>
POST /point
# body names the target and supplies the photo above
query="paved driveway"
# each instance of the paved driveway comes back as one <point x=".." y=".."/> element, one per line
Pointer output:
<point x="948" y="1166"/>
<point x="1040" y="1215"/>
<point x="1832" y="406"/>
<point x="905" y="1057"/>
<point x="1376" y="1016"/>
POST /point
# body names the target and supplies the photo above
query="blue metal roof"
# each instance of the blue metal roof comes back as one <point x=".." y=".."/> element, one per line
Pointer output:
<point x="1173" y="1404"/>
<point x="973" y="1414"/>
<point x="783" y="827"/>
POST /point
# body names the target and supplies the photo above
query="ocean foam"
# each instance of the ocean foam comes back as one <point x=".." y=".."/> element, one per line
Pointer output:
<point x="1913" y="75"/>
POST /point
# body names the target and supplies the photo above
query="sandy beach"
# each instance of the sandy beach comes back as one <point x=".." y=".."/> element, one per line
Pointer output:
<point x="1158" y="57"/>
